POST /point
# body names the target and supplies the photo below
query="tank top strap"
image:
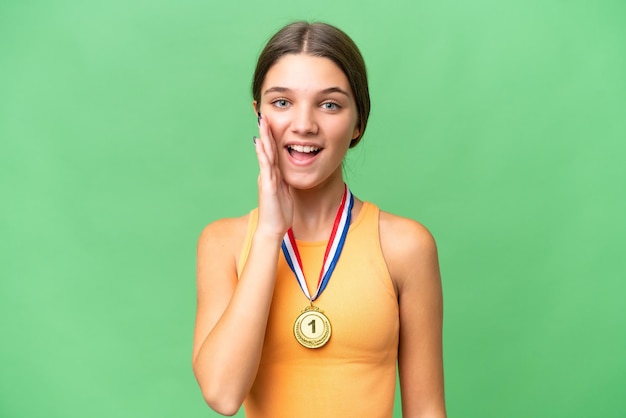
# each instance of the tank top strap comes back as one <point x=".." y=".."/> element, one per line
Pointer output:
<point x="367" y="221"/>
<point x="366" y="233"/>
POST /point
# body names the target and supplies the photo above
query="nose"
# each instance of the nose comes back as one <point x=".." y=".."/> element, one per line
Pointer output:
<point x="303" y="122"/>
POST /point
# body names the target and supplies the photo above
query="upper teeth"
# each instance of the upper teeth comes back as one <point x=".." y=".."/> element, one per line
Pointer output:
<point x="304" y="148"/>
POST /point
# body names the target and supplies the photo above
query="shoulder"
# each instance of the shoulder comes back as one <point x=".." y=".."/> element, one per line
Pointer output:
<point x="404" y="235"/>
<point x="223" y="237"/>
<point x="408" y="247"/>
<point x="225" y="228"/>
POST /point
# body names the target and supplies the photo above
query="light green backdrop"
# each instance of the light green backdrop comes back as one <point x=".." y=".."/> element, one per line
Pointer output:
<point x="125" y="127"/>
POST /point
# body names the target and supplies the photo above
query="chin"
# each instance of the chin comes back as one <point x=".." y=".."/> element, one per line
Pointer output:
<point x="309" y="181"/>
<point x="302" y="184"/>
<point x="311" y="177"/>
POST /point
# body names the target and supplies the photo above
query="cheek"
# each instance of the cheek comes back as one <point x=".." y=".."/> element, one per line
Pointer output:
<point x="342" y="129"/>
<point x="278" y="122"/>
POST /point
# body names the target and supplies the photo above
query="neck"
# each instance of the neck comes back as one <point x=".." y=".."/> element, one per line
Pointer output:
<point x="315" y="210"/>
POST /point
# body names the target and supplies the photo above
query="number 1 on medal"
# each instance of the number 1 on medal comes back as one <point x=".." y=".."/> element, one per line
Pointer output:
<point x="312" y="328"/>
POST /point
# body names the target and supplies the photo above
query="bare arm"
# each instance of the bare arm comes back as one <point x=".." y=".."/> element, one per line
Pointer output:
<point x="232" y="313"/>
<point x="231" y="317"/>
<point x="411" y="255"/>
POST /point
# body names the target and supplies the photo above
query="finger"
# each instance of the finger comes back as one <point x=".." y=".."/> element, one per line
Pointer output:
<point x="265" y="168"/>
<point x="272" y="141"/>
<point x="268" y="140"/>
<point x="270" y="178"/>
<point x="273" y="144"/>
<point x="266" y="146"/>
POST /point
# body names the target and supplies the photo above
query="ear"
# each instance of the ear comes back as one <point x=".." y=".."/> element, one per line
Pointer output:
<point x="255" y="107"/>
<point x="356" y="133"/>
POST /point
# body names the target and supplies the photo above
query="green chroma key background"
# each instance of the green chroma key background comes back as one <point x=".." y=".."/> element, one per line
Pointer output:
<point x="125" y="127"/>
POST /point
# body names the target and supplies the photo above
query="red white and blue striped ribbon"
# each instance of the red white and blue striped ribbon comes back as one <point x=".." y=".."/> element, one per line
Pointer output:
<point x="333" y="249"/>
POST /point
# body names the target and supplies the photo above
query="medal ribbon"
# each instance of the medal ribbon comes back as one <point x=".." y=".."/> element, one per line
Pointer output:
<point x="333" y="249"/>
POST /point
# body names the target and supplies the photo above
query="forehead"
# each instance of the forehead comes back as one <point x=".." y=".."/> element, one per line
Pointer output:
<point x="305" y="72"/>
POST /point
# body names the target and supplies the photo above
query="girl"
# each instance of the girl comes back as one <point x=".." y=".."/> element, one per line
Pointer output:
<point x="306" y="304"/>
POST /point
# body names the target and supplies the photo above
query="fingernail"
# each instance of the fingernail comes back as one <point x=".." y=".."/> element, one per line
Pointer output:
<point x="254" y="139"/>
<point x="258" y="119"/>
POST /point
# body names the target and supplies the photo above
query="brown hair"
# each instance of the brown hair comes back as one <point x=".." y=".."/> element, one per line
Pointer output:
<point x="320" y="40"/>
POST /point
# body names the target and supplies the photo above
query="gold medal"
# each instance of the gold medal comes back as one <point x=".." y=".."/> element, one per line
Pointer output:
<point x="312" y="328"/>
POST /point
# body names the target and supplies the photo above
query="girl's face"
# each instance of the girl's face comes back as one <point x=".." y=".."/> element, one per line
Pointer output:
<point x="311" y="112"/>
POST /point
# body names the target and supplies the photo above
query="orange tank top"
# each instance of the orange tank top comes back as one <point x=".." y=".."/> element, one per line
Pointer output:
<point x="354" y="374"/>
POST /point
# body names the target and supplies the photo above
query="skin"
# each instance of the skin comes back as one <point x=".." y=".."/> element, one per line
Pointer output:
<point x="307" y="100"/>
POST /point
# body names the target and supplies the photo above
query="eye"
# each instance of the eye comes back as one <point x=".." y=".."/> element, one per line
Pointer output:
<point x="330" y="106"/>
<point x="281" y="103"/>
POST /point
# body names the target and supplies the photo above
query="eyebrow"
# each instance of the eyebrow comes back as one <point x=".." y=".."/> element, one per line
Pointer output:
<point x="325" y="91"/>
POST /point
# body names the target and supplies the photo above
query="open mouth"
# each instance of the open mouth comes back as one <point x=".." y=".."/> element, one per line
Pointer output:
<point x="303" y="152"/>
